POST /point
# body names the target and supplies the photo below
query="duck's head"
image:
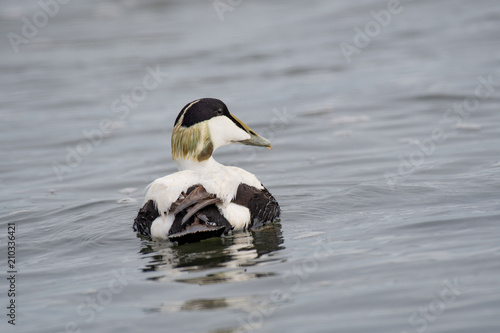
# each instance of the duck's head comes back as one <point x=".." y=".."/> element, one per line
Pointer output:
<point x="204" y="125"/>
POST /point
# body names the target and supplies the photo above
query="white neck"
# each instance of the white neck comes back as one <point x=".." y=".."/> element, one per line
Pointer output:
<point x="209" y="164"/>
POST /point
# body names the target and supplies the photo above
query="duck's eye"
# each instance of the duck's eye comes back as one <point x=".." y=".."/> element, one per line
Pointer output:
<point x="219" y="112"/>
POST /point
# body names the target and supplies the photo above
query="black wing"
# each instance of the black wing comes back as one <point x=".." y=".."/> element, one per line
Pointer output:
<point x="197" y="217"/>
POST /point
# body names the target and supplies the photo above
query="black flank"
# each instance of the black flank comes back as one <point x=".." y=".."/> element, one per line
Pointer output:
<point x="147" y="214"/>
<point x="262" y="205"/>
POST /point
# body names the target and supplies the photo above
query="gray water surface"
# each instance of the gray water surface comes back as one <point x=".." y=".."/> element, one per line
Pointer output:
<point x="386" y="165"/>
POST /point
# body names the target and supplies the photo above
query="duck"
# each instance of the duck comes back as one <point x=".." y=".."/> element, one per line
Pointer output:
<point x="205" y="198"/>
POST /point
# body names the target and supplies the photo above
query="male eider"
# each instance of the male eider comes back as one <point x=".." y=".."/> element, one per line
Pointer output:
<point x="205" y="198"/>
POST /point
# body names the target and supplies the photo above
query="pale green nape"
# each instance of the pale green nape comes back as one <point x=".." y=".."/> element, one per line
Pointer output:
<point x="192" y="143"/>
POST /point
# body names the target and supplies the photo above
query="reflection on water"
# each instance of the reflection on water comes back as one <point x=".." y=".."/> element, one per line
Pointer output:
<point x="225" y="257"/>
<point x="213" y="261"/>
<point x="240" y="303"/>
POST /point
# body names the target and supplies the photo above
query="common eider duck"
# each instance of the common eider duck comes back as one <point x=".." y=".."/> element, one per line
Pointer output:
<point x="205" y="198"/>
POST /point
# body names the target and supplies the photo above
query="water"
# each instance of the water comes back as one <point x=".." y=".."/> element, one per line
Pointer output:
<point x="390" y="197"/>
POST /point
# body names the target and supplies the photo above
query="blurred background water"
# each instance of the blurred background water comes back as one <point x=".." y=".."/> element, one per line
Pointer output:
<point x="386" y="163"/>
